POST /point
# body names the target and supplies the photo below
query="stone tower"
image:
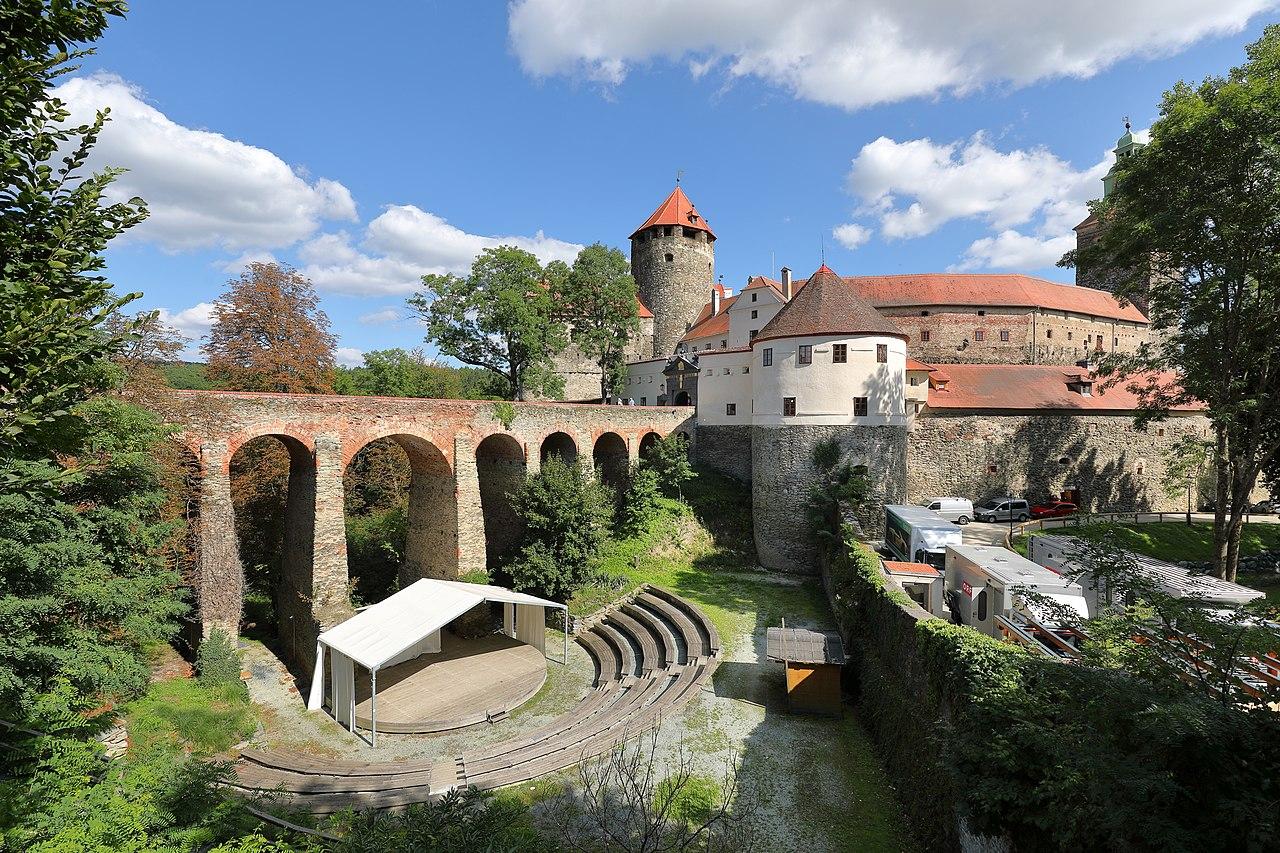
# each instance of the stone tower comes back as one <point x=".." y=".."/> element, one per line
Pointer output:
<point x="673" y="260"/>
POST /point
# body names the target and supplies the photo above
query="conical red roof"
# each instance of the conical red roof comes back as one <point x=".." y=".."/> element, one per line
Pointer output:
<point x="828" y="305"/>
<point x="677" y="210"/>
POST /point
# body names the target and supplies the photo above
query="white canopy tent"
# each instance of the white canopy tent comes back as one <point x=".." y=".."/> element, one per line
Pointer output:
<point x="406" y="625"/>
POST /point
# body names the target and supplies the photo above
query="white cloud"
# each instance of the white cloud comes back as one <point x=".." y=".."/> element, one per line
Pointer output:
<point x="348" y="356"/>
<point x="192" y="323"/>
<point x="1030" y="199"/>
<point x="378" y="318"/>
<point x="851" y="235"/>
<point x="203" y="189"/>
<point x="237" y="265"/>
<point x="855" y="53"/>
<point x="403" y="244"/>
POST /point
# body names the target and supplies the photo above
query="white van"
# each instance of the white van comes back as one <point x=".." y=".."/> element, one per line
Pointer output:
<point x="959" y="510"/>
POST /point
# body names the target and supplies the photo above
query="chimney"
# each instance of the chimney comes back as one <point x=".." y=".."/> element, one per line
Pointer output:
<point x="786" y="283"/>
<point x="715" y="301"/>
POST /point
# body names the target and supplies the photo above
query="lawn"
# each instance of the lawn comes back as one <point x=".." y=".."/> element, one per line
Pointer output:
<point x="1173" y="540"/>
<point x="819" y="782"/>
<point x="186" y="716"/>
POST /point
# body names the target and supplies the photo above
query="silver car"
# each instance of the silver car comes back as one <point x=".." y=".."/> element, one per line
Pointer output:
<point x="1002" y="509"/>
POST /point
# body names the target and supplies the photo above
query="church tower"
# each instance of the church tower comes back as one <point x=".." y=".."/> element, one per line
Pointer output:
<point x="1088" y="231"/>
<point x="673" y="260"/>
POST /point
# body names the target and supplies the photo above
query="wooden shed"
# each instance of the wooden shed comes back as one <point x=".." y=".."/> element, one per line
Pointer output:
<point x="813" y="660"/>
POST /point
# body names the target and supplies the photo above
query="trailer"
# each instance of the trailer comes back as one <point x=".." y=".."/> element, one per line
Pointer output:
<point x="914" y="534"/>
<point x="1062" y="554"/>
<point x="986" y="585"/>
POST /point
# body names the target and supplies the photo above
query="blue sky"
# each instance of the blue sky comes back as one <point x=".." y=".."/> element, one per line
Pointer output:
<point x="367" y="145"/>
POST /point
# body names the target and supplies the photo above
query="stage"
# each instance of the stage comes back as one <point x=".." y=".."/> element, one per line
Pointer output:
<point x="467" y="682"/>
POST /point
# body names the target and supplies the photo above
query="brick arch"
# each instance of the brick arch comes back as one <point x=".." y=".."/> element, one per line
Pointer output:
<point x="237" y="440"/>
<point x="412" y="433"/>
<point x="610" y="459"/>
<point x="559" y="441"/>
<point x="501" y="466"/>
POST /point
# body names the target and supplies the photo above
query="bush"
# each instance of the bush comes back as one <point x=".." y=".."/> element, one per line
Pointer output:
<point x="668" y="458"/>
<point x="218" y="661"/>
<point x="566" y="517"/>
<point x="465" y="820"/>
<point x="640" y="501"/>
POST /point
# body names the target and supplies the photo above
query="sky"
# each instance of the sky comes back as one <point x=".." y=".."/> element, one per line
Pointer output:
<point x="369" y="144"/>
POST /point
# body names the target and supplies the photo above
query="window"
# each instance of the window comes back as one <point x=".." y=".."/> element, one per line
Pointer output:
<point x="724" y="344"/>
<point x="788" y="406"/>
<point x="746" y="369"/>
<point x="1068" y="336"/>
<point x="666" y="232"/>
<point x="1115" y="342"/>
<point x="914" y="380"/>
<point x="924" y="336"/>
<point x="754" y="313"/>
<point x="726" y="372"/>
<point x="882" y="353"/>
<point x="979" y="335"/>
<point x="805" y="354"/>
<point x="1048" y="333"/>
<point x="1004" y="335"/>
<point x="839" y="353"/>
<point x="982" y="313"/>
<point x="644" y="401"/>
<point x="670" y="257"/>
<point x="751" y="335"/>
<point x="859" y="407"/>
<point x="993" y="468"/>
<point x="731" y="408"/>
<point x="766" y="357"/>
<point x="924" y="313"/>
<point x="754" y="297"/>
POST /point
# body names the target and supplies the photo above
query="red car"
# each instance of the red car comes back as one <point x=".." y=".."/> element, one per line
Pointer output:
<point x="1054" y="509"/>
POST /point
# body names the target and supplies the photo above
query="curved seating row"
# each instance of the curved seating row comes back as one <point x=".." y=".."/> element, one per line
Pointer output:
<point x="652" y="653"/>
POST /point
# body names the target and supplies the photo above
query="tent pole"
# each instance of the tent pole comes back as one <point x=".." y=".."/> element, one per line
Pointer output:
<point x="373" y="706"/>
<point x="565" y="660"/>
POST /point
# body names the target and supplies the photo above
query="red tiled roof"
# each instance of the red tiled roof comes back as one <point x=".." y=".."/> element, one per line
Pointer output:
<point x="923" y="569"/>
<point x="703" y="353"/>
<point x="641" y="310"/>
<point x="677" y="210"/>
<point x="994" y="289"/>
<point x="831" y="306"/>
<point x="704" y="325"/>
<point x="912" y="364"/>
<point x="1035" y="386"/>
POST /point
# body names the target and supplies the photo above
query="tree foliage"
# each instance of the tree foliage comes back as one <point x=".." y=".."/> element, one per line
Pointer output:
<point x="640" y="502"/>
<point x="465" y="820"/>
<point x="668" y="458"/>
<point x="409" y="373"/>
<point x="566" y="516"/>
<point x="54" y="221"/>
<point x="1193" y="228"/>
<point x="270" y="334"/>
<point x="598" y="299"/>
<point x="501" y="317"/>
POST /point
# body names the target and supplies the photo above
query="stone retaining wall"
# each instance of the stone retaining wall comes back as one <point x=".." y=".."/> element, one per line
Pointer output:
<point x="725" y="449"/>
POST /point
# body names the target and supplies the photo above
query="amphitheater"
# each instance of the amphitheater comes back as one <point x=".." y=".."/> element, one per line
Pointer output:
<point x="653" y="651"/>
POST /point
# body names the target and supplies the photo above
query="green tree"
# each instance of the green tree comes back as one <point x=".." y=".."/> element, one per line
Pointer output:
<point x="54" y="221"/>
<point x="1193" y="226"/>
<point x="501" y="317"/>
<point x="566" y="516"/>
<point x="399" y="373"/>
<point x="669" y="458"/>
<point x="640" y="502"/>
<point x="599" y="301"/>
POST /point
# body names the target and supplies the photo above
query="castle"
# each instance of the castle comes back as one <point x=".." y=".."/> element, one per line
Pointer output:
<point x="938" y="384"/>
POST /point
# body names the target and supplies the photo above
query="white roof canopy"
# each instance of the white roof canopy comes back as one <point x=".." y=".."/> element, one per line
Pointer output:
<point x="378" y="633"/>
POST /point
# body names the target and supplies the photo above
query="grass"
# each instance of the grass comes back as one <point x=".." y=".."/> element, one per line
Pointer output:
<point x="185" y="716"/>
<point x="1172" y="541"/>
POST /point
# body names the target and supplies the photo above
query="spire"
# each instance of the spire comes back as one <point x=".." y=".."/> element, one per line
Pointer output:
<point x="676" y="209"/>
<point x="1126" y="146"/>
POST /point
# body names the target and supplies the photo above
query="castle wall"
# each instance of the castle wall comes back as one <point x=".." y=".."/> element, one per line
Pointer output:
<point x="1034" y="336"/>
<point x="782" y="475"/>
<point x="726" y="449"/>
<point x="1115" y="465"/>
<point x="674" y="290"/>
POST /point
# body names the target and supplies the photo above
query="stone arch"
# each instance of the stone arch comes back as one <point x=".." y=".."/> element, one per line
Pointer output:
<point x="500" y="469"/>
<point x="647" y="441"/>
<point x="609" y="456"/>
<point x="288" y="434"/>
<point x="273" y="494"/>
<point x="430" y="546"/>
<point x="559" y="444"/>
<point x="682" y="399"/>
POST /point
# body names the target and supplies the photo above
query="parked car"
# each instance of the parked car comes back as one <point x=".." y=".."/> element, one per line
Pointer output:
<point x="1054" y="509"/>
<point x="959" y="510"/>
<point x="1267" y="507"/>
<point x="1003" y="508"/>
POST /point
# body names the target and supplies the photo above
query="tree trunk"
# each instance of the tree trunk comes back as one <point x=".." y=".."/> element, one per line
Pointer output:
<point x="1222" y="496"/>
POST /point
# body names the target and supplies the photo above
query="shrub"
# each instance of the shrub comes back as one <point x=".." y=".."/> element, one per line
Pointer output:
<point x="668" y="458"/>
<point x="218" y="661"/>
<point x="640" y="505"/>
<point x="566" y="517"/>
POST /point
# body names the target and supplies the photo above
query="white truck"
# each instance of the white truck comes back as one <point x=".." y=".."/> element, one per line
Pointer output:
<point x="1061" y="553"/>
<point x="917" y="535"/>
<point x="985" y="585"/>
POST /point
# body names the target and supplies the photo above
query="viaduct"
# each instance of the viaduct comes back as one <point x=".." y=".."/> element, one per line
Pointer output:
<point x="465" y="461"/>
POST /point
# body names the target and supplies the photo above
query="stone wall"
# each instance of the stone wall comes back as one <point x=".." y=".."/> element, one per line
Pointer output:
<point x="324" y="432"/>
<point x="782" y="475"/>
<point x="726" y="449"/>
<point x="1115" y="465"/>
<point x="1034" y="336"/>
<point x="674" y="290"/>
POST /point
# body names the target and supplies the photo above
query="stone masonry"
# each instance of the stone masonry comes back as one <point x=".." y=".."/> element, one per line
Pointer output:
<point x="783" y="475"/>
<point x="673" y="267"/>
<point x="447" y="517"/>
<point x="726" y="449"/>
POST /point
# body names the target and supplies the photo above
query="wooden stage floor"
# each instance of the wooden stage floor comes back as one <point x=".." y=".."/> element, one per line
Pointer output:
<point x="467" y="682"/>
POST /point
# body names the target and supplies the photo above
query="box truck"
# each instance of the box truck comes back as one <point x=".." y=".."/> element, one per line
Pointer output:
<point x="914" y="534"/>
<point x="986" y="581"/>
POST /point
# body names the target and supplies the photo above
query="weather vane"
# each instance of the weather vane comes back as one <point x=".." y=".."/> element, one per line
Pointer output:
<point x="679" y="172"/>
<point x="1126" y="127"/>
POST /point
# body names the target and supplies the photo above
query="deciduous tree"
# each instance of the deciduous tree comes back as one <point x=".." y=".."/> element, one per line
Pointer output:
<point x="599" y="301"/>
<point x="1194" y="226"/>
<point x="500" y="317"/>
<point x="270" y="334"/>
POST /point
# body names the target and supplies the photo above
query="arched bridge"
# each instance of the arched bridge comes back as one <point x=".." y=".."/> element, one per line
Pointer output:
<point x="465" y="461"/>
